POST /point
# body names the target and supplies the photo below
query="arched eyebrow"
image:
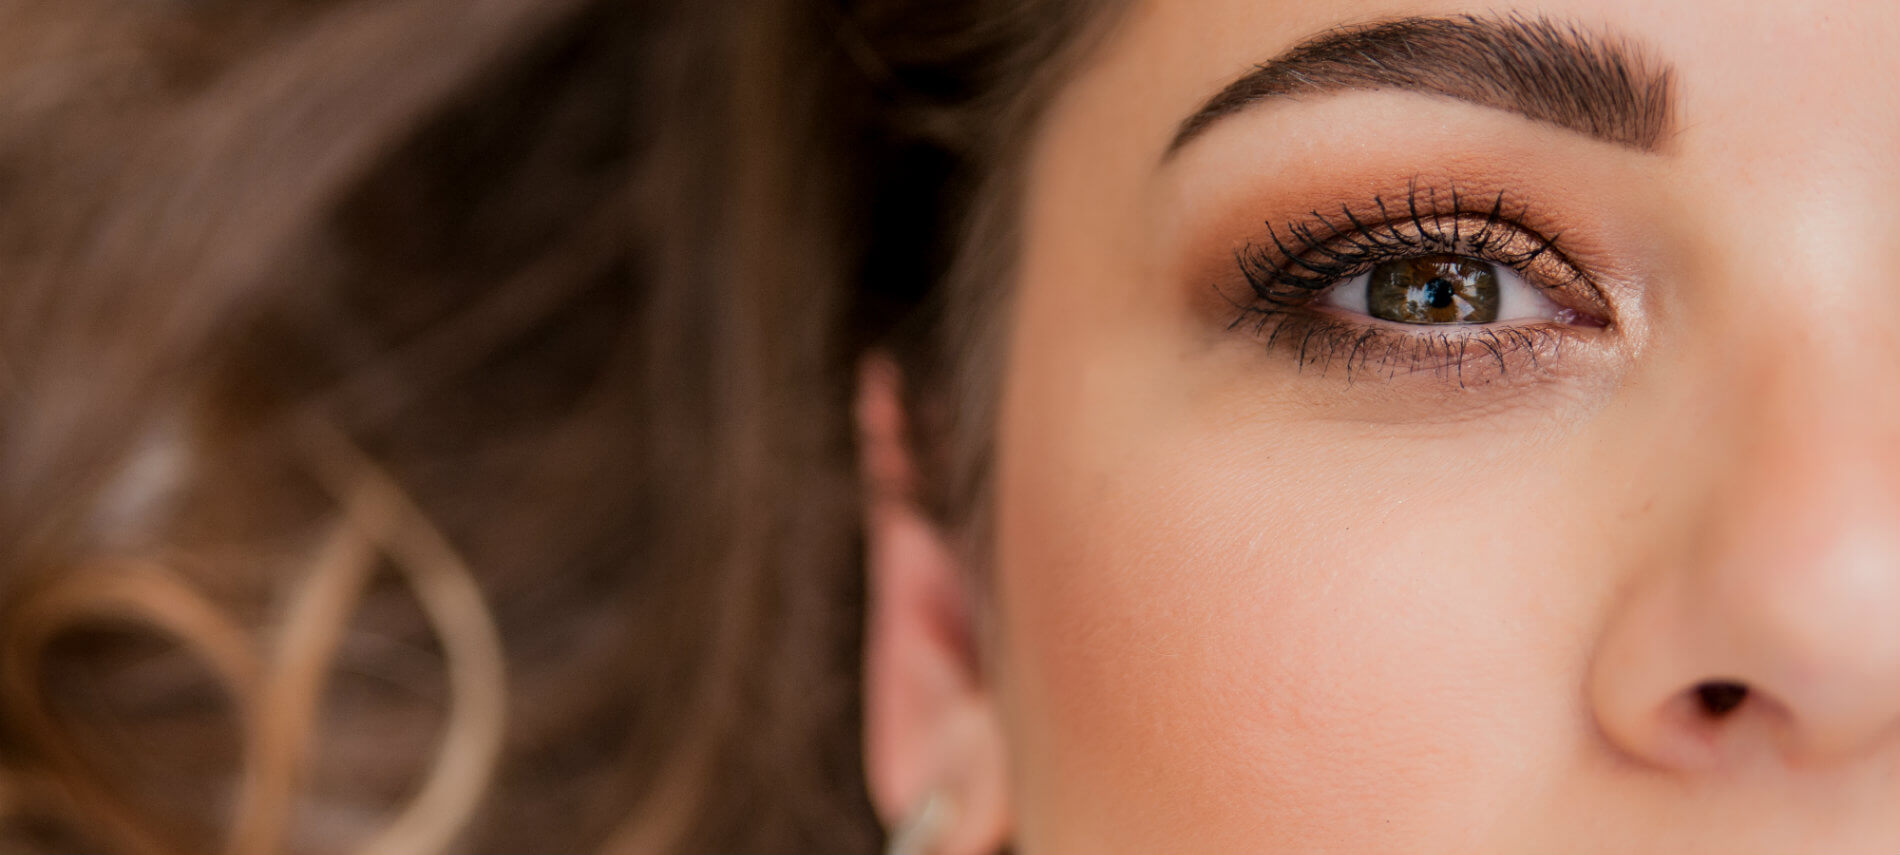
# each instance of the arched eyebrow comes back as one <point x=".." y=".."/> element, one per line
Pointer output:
<point x="1606" y="88"/>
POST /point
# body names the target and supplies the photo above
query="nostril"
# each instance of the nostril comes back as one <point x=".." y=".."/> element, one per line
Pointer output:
<point x="1719" y="698"/>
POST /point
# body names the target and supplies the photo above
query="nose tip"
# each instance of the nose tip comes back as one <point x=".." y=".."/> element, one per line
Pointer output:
<point x="1782" y="634"/>
<point x="1815" y="632"/>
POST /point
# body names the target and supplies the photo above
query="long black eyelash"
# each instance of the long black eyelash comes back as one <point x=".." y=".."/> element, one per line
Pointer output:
<point x="1302" y="259"/>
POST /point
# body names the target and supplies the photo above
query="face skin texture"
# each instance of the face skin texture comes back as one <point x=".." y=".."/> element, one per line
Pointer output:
<point x="1245" y="599"/>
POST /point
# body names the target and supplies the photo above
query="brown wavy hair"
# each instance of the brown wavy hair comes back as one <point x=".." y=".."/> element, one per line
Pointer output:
<point x="426" y="422"/>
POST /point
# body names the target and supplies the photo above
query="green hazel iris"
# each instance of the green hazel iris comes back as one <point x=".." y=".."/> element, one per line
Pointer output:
<point x="1434" y="289"/>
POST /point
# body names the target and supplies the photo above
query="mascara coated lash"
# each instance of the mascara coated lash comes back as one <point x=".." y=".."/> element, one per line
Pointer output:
<point x="1302" y="261"/>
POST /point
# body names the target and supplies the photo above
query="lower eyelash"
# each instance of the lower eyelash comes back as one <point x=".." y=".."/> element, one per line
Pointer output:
<point x="1470" y="356"/>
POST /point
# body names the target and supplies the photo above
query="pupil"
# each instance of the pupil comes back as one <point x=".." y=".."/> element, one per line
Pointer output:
<point x="1434" y="289"/>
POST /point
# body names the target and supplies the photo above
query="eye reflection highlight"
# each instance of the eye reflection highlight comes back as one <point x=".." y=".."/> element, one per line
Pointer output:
<point x="1434" y="289"/>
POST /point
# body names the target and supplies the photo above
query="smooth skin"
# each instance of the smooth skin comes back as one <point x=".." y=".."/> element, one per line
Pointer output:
<point x="1238" y="603"/>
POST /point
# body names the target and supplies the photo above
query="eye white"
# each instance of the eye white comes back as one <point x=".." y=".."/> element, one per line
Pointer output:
<point x="1518" y="300"/>
<point x="1350" y="295"/>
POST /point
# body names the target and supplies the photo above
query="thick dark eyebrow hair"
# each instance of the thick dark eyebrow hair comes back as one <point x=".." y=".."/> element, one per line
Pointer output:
<point x="1605" y="88"/>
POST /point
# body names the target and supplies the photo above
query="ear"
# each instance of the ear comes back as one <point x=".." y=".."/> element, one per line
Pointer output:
<point x="931" y="727"/>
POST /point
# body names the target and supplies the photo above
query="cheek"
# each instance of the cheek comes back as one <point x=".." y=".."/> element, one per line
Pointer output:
<point x="1221" y="632"/>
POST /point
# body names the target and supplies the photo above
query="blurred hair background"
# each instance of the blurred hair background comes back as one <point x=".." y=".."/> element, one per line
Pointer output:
<point x="297" y="293"/>
<point x="424" y="424"/>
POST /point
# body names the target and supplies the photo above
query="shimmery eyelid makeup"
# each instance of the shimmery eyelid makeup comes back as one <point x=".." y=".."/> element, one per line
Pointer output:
<point x="1304" y="260"/>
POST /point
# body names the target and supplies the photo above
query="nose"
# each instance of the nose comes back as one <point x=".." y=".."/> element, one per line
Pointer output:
<point x="1771" y="625"/>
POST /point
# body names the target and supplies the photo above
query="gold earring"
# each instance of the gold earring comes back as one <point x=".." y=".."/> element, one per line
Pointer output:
<point x="924" y="829"/>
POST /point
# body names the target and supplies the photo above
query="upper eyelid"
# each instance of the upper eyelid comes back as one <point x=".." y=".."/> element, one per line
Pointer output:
<point x="1494" y="217"/>
<point x="1377" y="226"/>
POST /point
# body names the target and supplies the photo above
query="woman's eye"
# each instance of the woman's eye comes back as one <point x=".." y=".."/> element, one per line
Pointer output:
<point x="1442" y="289"/>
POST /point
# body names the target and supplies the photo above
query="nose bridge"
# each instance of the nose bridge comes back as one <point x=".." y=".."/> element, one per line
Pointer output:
<point x="1781" y="574"/>
<point x="1799" y="560"/>
<point x="1793" y="581"/>
<point x="1760" y="608"/>
<point x="1812" y="425"/>
<point x="1798" y="307"/>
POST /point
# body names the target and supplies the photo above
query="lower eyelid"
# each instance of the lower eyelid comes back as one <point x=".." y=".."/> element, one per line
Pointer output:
<point x="1463" y="355"/>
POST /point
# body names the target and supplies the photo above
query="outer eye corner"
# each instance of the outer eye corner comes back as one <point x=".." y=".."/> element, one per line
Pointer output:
<point x="1521" y="300"/>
